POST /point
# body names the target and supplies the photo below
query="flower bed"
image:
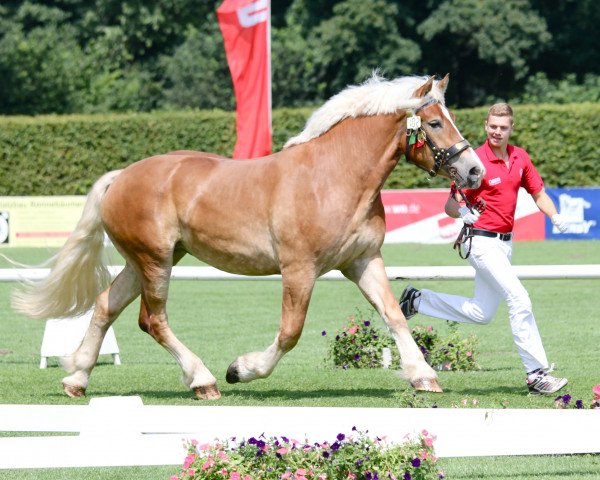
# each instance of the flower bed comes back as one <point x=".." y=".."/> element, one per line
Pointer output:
<point x="565" y="401"/>
<point x="356" y="456"/>
<point x="358" y="344"/>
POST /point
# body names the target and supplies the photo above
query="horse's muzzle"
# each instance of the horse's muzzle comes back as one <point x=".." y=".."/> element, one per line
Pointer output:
<point x="475" y="177"/>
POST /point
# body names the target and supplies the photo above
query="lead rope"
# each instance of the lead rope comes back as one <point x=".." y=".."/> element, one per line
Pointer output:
<point x="465" y="236"/>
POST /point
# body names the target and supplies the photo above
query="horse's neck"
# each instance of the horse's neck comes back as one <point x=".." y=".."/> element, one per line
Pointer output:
<point x="365" y="149"/>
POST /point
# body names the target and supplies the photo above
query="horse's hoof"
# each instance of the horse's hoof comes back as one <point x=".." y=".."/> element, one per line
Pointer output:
<point x="73" y="391"/>
<point x="232" y="374"/>
<point x="207" y="392"/>
<point x="427" y="385"/>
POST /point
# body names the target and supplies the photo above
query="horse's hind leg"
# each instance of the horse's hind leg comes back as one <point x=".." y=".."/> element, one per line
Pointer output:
<point x="109" y="304"/>
<point x="154" y="321"/>
<point x="370" y="276"/>
<point x="297" y="290"/>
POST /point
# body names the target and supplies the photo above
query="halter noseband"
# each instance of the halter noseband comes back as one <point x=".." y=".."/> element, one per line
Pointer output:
<point x="441" y="156"/>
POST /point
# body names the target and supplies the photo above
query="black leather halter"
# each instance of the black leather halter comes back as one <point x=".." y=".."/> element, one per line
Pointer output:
<point x="441" y="156"/>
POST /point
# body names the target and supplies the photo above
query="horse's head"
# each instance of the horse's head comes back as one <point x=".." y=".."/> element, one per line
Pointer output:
<point x="433" y="142"/>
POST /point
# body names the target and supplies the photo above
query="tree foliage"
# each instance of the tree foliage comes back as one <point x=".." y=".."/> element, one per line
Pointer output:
<point x="83" y="56"/>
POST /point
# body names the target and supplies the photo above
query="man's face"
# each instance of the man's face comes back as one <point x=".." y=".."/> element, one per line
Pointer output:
<point x="498" y="130"/>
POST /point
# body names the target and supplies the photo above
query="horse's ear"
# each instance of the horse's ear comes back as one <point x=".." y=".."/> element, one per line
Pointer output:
<point x="423" y="89"/>
<point x="443" y="83"/>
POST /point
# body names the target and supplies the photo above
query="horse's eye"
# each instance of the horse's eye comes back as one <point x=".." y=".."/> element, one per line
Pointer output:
<point x="434" y="124"/>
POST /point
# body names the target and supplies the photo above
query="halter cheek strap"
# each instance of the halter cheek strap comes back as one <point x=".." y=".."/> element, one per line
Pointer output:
<point x="441" y="156"/>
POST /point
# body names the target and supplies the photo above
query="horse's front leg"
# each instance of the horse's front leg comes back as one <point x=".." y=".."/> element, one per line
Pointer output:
<point x="298" y="285"/>
<point x="370" y="276"/>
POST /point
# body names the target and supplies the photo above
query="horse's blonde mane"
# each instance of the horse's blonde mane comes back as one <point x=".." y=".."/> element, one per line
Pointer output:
<point x="376" y="96"/>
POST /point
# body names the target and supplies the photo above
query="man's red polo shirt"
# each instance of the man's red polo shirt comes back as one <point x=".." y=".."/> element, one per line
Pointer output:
<point x="500" y="187"/>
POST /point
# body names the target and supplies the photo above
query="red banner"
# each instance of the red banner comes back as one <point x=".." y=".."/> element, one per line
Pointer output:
<point x="245" y="25"/>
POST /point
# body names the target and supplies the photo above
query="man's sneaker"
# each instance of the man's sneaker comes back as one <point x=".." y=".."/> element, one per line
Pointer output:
<point x="540" y="382"/>
<point x="407" y="300"/>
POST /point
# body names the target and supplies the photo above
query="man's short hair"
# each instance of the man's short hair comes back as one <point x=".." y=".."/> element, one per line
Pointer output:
<point x="500" y="110"/>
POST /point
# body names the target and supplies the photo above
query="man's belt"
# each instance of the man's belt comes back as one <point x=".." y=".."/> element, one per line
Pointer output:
<point x="486" y="233"/>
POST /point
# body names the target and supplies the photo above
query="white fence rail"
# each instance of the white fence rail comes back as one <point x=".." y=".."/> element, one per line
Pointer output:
<point x="394" y="273"/>
<point x="121" y="431"/>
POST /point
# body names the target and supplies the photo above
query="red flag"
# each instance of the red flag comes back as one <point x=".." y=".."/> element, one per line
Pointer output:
<point x="245" y="25"/>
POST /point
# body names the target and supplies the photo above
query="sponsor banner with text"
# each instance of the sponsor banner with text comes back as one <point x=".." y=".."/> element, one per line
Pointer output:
<point x="581" y="209"/>
<point x="38" y="221"/>
<point x="411" y="216"/>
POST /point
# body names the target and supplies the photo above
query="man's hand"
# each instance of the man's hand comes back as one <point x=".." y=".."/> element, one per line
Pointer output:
<point x="468" y="216"/>
<point x="560" y="222"/>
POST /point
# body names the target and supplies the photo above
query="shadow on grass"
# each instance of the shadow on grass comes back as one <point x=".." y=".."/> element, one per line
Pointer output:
<point x="498" y="390"/>
<point x="242" y="396"/>
<point x="301" y="394"/>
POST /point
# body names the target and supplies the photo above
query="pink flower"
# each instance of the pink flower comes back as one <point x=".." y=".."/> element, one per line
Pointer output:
<point x="300" y="474"/>
<point x="191" y="472"/>
<point x="429" y="328"/>
<point x="469" y="354"/>
<point x="596" y="392"/>
<point x="189" y="460"/>
<point x="282" y="451"/>
<point x="423" y="454"/>
<point x="194" y="442"/>
<point x="425" y="433"/>
<point x="353" y="329"/>
<point x="247" y="477"/>
<point x="428" y="442"/>
<point x="204" y="446"/>
<point x="222" y="455"/>
<point x="207" y="465"/>
<point x="235" y="476"/>
<point x="224" y="472"/>
<point x="286" y="475"/>
<point x="351" y="476"/>
<point x="174" y="477"/>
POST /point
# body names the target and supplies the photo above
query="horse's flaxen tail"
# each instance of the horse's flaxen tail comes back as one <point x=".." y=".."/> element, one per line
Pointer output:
<point x="78" y="273"/>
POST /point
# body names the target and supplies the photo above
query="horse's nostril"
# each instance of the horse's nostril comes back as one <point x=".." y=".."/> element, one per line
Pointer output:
<point x="475" y="171"/>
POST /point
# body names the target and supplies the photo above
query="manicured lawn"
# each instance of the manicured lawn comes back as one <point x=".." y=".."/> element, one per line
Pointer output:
<point x="220" y="320"/>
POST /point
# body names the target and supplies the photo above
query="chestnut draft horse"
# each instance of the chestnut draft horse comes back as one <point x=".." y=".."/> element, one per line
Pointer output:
<point x="313" y="207"/>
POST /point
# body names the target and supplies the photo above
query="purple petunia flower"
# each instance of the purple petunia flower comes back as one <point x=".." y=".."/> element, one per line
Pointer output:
<point x="323" y="333"/>
<point x="407" y="476"/>
<point x="356" y="356"/>
<point x="416" y="462"/>
<point x="566" y="399"/>
<point x="335" y="446"/>
<point x="252" y="441"/>
<point x="578" y="404"/>
<point x="366" y="323"/>
<point x="340" y="436"/>
<point x="325" y="454"/>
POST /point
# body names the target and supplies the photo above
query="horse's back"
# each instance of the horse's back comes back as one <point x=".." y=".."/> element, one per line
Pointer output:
<point x="215" y="208"/>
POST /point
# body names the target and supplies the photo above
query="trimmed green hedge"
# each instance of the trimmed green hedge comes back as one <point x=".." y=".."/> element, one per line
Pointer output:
<point x="64" y="155"/>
